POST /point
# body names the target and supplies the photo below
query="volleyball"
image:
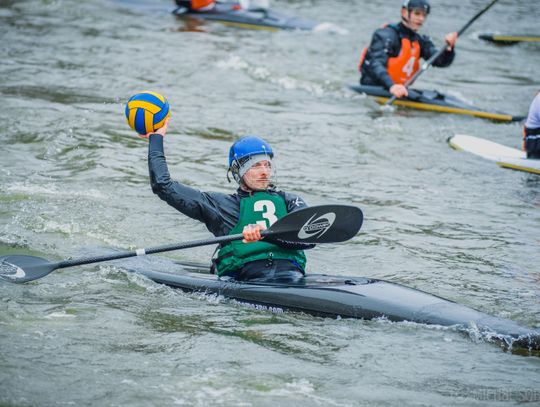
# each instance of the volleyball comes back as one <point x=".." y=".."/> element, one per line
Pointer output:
<point x="146" y="112"/>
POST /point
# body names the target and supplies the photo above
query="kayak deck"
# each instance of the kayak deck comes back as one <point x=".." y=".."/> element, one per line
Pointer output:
<point x="432" y="100"/>
<point x="504" y="156"/>
<point x="263" y="19"/>
<point x="347" y="297"/>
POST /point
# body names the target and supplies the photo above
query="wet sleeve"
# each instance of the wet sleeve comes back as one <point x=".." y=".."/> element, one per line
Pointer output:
<point x="294" y="202"/>
<point x="428" y="49"/>
<point x="383" y="46"/>
<point x="191" y="202"/>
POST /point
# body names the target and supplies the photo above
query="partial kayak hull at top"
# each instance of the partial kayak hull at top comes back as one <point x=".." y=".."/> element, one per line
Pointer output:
<point x="259" y="19"/>
<point x="225" y="13"/>
<point x="431" y="100"/>
<point x="509" y="39"/>
<point x="346" y="297"/>
<point x="504" y="156"/>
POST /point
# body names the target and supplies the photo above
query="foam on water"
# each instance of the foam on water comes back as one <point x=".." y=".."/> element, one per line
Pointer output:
<point x="330" y="27"/>
<point x="52" y="189"/>
<point x="61" y="314"/>
<point x="235" y="62"/>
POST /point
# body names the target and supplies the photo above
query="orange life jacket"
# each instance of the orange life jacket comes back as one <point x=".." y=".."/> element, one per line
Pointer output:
<point x="405" y="65"/>
<point x="402" y="67"/>
<point x="200" y="4"/>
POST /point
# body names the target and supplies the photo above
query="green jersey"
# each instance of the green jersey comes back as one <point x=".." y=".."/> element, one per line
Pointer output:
<point x="263" y="209"/>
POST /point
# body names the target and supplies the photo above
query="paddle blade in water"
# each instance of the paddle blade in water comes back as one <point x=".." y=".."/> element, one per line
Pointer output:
<point x="388" y="108"/>
<point x="20" y="269"/>
<point x="319" y="224"/>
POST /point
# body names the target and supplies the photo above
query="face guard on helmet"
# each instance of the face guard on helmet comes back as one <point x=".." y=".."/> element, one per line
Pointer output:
<point x="417" y="5"/>
<point x="245" y="153"/>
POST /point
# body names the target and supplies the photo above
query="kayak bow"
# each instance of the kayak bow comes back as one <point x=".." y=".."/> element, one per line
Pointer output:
<point x="434" y="101"/>
<point x="504" y="156"/>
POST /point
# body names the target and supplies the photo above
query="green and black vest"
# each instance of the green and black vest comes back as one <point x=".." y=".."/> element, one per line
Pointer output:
<point x="264" y="209"/>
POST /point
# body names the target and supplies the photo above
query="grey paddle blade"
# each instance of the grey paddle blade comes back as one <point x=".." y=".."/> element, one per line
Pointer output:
<point x="20" y="268"/>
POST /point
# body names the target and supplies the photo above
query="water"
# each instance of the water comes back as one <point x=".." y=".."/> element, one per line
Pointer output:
<point x="74" y="180"/>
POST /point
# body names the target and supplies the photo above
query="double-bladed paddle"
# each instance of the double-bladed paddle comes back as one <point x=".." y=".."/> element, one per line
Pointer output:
<point x="312" y="225"/>
<point x="429" y="62"/>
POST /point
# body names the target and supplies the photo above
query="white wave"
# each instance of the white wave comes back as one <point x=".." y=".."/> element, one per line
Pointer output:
<point x="65" y="228"/>
<point x="109" y="241"/>
<point x="59" y="315"/>
<point x="330" y="28"/>
<point x="34" y="189"/>
<point x="262" y="73"/>
<point x="304" y="389"/>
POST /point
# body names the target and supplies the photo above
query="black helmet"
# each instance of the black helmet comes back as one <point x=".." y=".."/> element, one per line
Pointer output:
<point x="417" y="5"/>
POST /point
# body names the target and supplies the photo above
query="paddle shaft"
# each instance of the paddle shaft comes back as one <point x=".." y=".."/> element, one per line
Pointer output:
<point x="307" y="226"/>
<point x="430" y="61"/>
<point x="292" y="228"/>
<point x="153" y="250"/>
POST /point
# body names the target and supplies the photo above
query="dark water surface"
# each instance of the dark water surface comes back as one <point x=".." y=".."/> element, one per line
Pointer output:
<point x="74" y="179"/>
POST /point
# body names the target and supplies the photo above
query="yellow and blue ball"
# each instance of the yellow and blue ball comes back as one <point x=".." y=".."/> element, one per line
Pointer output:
<point x="146" y="112"/>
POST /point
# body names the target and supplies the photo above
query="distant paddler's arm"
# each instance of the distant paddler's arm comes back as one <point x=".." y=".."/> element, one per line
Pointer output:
<point x="532" y="125"/>
<point x="447" y="57"/>
<point x="379" y="53"/>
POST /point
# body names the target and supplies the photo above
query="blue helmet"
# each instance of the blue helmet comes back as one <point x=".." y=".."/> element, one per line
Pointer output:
<point x="417" y="4"/>
<point x="241" y="152"/>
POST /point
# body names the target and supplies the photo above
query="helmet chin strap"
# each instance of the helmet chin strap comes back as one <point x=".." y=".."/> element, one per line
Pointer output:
<point x="406" y="19"/>
<point x="233" y="170"/>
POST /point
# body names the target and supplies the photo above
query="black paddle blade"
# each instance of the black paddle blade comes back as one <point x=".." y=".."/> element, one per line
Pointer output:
<point x="318" y="224"/>
<point x="20" y="269"/>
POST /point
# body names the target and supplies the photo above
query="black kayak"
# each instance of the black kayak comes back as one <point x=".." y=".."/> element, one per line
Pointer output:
<point x="262" y="19"/>
<point x="433" y="101"/>
<point x="509" y="39"/>
<point x="346" y="297"/>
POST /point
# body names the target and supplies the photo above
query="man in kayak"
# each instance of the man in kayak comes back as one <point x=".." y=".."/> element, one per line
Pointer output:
<point x="395" y="50"/>
<point x="255" y="206"/>
<point x="531" y="130"/>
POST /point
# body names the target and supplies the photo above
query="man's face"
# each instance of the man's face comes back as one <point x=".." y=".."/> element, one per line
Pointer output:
<point x="257" y="178"/>
<point x="414" y="19"/>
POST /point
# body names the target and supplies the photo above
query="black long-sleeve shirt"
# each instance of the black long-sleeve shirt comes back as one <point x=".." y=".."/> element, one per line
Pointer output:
<point x="218" y="211"/>
<point x="386" y="43"/>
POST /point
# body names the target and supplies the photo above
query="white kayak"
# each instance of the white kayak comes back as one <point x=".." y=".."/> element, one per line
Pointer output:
<point x="506" y="157"/>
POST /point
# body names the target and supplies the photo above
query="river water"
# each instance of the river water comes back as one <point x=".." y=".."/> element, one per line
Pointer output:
<point x="74" y="181"/>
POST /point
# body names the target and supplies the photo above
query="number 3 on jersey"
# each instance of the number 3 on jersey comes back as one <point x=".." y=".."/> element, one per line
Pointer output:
<point x="268" y="210"/>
